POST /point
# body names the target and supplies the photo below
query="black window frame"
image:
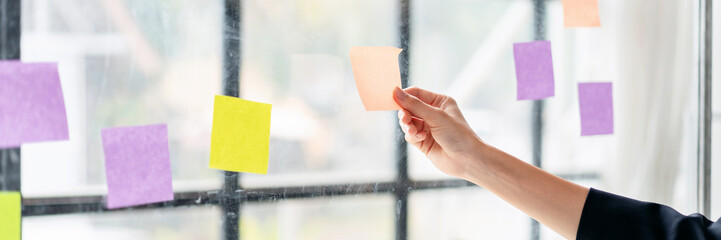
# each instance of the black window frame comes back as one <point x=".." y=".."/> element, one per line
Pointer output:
<point x="232" y="195"/>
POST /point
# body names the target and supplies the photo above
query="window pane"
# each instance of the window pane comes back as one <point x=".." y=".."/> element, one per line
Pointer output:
<point x="548" y="234"/>
<point x="469" y="213"/>
<point x="124" y="63"/>
<point x="295" y="55"/>
<point x="357" y="217"/>
<point x="174" y="223"/>
<point x="465" y="49"/>
<point x="649" y="55"/>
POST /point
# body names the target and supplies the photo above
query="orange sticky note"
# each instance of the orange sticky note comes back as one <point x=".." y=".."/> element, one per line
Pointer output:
<point x="376" y="74"/>
<point x="581" y="13"/>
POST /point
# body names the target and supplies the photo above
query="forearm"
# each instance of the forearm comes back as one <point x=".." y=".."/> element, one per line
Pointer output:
<point x="551" y="200"/>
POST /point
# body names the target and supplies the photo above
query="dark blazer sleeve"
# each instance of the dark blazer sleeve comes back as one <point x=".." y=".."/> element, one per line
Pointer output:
<point x="609" y="216"/>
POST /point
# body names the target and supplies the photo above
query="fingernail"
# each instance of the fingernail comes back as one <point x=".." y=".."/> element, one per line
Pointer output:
<point x="400" y="95"/>
<point x="419" y="135"/>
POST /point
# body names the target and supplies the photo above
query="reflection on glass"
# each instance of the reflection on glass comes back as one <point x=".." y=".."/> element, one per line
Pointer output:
<point x="295" y="55"/>
<point x="469" y="213"/>
<point x="172" y="223"/>
<point x="134" y="62"/>
<point x="124" y="63"/>
<point x="652" y="153"/>
<point x="465" y="49"/>
<point x="354" y="217"/>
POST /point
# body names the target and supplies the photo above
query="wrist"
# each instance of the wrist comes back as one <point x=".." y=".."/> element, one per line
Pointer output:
<point x="476" y="162"/>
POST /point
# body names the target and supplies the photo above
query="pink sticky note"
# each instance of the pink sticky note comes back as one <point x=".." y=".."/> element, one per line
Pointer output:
<point x="534" y="70"/>
<point x="376" y="74"/>
<point x="137" y="165"/>
<point x="32" y="108"/>
<point x="595" y="101"/>
<point x="581" y="13"/>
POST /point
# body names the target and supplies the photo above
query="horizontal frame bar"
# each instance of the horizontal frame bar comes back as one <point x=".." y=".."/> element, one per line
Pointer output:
<point x="96" y="203"/>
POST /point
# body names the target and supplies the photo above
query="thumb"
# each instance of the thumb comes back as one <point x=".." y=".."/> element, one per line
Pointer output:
<point x="417" y="107"/>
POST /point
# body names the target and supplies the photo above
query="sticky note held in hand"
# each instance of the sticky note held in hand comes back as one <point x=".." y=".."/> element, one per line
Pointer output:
<point x="240" y="136"/>
<point x="137" y="165"/>
<point x="534" y="70"/>
<point x="581" y="13"/>
<point x="32" y="108"/>
<point x="376" y="73"/>
<point x="10" y="212"/>
<point x="595" y="101"/>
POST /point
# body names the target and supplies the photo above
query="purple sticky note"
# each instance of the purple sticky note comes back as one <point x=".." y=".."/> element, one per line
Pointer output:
<point x="32" y="108"/>
<point x="595" y="101"/>
<point x="534" y="70"/>
<point x="137" y="165"/>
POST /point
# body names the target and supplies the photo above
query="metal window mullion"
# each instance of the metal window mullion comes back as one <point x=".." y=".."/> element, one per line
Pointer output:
<point x="403" y="182"/>
<point x="10" y="49"/>
<point x="704" y="109"/>
<point x="231" y="197"/>
<point x="10" y="30"/>
<point x="539" y="33"/>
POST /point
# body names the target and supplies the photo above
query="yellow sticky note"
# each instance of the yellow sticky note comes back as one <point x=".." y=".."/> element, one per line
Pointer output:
<point x="10" y="206"/>
<point x="581" y="13"/>
<point x="240" y="136"/>
<point x="376" y="73"/>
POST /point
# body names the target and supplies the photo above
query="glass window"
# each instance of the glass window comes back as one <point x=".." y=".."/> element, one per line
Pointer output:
<point x="124" y="63"/>
<point x="464" y="214"/>
<point x="465" y="49"/>
<point x="172" y="223"/>
<point x="334" y="168"/>
<point x="652" y="64"/>
<point x="354" y="217"/>
<point x="295" y="55"/>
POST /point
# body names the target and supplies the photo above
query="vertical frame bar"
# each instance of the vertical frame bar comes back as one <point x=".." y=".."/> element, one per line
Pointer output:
<point x="402" y="179"/>
<point x="539" y="33"/>
<point x="9" y="29"/>
<point x="403" y="59"/>
<point x="231" y="87"/>
<point x="10" y="49"/>
<point x="705" y="114"/>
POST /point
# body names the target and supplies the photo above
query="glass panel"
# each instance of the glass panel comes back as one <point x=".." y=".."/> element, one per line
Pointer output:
<point x="295" y="55"/>
<point x="174" y="223"/>
<point x="650" y="57"/>
<point x="357" y="217"/>
<point x="124" y="63"/>
<point x="548" y="234"/>
<point x="469" y="213"/>
<point x="465" y="49"/>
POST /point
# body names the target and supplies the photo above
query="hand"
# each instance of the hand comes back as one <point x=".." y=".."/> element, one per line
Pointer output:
<point x="433" y="123"/>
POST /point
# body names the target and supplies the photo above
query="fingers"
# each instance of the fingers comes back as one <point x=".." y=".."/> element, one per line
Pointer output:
<point x="430" y="98"/>
<point x="404" y="116"/>
<point x="430" y="114"/>
<point x="415" y="131"/>
<point x="420" y="133"/>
